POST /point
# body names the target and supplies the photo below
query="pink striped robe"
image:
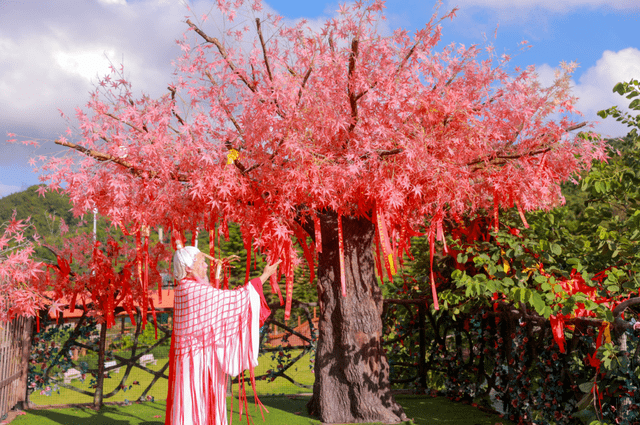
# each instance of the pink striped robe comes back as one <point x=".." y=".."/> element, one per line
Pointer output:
<point x="215" y="334"/>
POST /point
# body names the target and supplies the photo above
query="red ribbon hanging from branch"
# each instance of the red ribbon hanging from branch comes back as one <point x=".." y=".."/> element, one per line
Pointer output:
<point x="496" y="212"/>
<point x="432" y="247"/>
<point x="140" y="277"/>
<point x="287" y="264"/>
<point x="307" y="249"/>
<point x="383" y="235"/>
<point x="213" y="269"/>
<point x="247" y="241"/>
<point x="522" y="217"/>
<point x="318" y="232"/>
<point x="343" y="278"/>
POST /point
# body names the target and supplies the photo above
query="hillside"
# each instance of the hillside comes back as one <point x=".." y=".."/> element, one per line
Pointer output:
<point x="41" y="210"/>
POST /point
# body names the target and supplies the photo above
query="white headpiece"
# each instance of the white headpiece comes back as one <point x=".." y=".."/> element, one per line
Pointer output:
<point x="183" y="259"/>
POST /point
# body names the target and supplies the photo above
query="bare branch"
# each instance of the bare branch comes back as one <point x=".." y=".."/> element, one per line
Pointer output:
<point x="353" y="98"/>
<point x="226" y="109"/>
<point x="264" y="49"/>
<point x="236" y="162"/>
<point x="124" y="122"/>
<point x="104" y="157"/>
<point x="407" y="57"/>
<point x="223" y="53"/>
<point x="304" y="82"/>
<point x="532" y="153"/>
<point x="173" y="98"/>
<point x="383" y="153"/>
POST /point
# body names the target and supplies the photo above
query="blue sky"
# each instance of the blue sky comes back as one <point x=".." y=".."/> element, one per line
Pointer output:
<point x="52" y="52"/>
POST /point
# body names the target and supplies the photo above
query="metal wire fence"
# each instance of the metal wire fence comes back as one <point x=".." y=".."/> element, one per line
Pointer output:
<point x="65" y="363"/>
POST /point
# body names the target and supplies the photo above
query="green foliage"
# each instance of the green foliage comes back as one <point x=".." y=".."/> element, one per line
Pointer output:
<point x="592" y="241"/>
<point x="629" y="90"/>
<point x="50" y="354"/>
<point x="51" y="215"/>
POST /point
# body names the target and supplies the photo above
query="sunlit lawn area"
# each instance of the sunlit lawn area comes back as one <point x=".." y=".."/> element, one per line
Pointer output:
<point x="282" y="399"/>
<point x="301" y="372"/>
<point x="283" y="410"/>
<point x="66" y="396"/>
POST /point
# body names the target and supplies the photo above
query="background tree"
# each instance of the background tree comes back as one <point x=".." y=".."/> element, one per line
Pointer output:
<point x="350" y="136"/>
<point x="20" y="274"/>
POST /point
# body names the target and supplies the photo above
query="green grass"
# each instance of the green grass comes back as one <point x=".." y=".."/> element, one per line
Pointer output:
<point x="283" y="410"/>
<point x="289" y="409"/>
<point x="301" y="372"/>
<point x="66" y="396"/>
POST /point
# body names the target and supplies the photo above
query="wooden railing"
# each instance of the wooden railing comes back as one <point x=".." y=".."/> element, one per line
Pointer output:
<point x="15" y="343"/>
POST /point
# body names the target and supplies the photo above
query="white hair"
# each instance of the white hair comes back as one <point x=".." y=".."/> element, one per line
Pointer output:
<point x="183" y="259"/>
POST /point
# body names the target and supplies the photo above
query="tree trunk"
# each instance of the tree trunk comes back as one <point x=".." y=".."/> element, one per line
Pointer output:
<point x="351" y="369"/>
<point x="102" y="344"/>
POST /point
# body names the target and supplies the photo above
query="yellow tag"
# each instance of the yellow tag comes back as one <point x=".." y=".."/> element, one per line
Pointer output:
<point x="607" y="332"/>
<point x="393" y="270"/>
<point x="505" y="266"/>
<point x="232" y="156"/>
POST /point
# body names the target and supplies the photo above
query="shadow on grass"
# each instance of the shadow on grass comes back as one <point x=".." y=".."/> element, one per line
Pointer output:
<point x="142" y="414"/>
<point x="422" y="410"/>
<point x="427" y="410"/>
<point x="286" y="410"/>
<point x="283" y="410"/>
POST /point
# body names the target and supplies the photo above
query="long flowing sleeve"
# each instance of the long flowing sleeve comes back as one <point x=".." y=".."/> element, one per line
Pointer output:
<point x="215" y="335"/>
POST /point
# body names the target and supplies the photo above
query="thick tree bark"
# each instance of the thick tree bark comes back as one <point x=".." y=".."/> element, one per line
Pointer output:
<point x="351" y="370"/>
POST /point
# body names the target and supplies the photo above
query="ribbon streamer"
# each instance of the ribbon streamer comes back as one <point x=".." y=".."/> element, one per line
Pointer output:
<point x="522" y="217"/>
<point x="343" y="278"/>
<point x="432" y="247"/>
<point x="318" y="231"/>
<point x="387" y="252"/>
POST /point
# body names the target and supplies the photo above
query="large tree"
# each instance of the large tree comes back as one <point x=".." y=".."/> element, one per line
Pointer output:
<point x="350" y="137"/>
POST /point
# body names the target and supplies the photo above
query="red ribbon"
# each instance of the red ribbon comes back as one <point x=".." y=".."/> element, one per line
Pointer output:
<point x="432" y="247"/>
<point x="343" y="278"/>
<point x="317" y="229"/>
<point x="522" y="217"/>
<point x="387" y="252"/>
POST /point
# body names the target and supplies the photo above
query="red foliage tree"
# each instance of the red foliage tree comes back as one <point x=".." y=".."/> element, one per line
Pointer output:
<point x="20" y="274"/>
<point x="342" y="134"/>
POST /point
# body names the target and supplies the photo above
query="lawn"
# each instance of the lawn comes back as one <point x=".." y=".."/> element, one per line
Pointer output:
<point x="283" y="410"/>
<point x="286" y="404"/>
<point x="301" y="372"/>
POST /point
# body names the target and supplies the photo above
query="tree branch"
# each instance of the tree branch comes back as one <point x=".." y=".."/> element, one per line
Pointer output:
<point x="304" y="82"/>
<point x="103" y="157"/>
<point x="264" y="49"/>
<point x="533" y="153"/>
<point x="124" y="122"/>
<point x="353" y="98"/>
<point x="226" y="109"/>
<point x="223" y="53"/>
<point x="382" y="153"/>
<point x="173" y="98"/>
<point x="407" y="57"/>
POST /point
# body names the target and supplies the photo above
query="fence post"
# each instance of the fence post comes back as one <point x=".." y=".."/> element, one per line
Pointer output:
<point x="422" y="367"/>
<point x="23" y="390"/>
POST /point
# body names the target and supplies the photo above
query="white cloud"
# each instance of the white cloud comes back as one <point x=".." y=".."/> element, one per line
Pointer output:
<point x="120" y="2"/>
<point x="546" y="75"/>
<point x="53" y="53"/>
<point x="554" y="5"/>
<point x="594" y="88"/>
<point x="6" y="190"/>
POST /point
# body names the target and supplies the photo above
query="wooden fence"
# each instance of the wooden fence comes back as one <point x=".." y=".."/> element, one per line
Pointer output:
<point x="15" y="343"/>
